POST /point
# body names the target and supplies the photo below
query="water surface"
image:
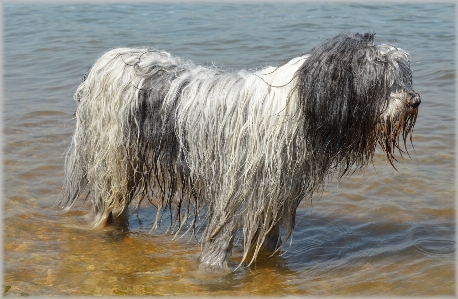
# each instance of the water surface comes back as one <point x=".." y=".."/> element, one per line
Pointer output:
<point x="382" y="232"/>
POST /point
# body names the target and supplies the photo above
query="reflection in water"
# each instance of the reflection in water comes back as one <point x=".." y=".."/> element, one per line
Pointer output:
<point x="327" y="257"/>
<point x="117" y="261"/>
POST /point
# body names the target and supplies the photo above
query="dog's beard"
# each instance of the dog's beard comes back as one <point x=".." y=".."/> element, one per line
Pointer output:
<point x="396" y="127"/>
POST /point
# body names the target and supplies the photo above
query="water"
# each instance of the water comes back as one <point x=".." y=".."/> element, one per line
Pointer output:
<point x="384" y="232"/>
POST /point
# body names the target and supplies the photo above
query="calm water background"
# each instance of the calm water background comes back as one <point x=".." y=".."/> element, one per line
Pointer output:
<point x="378" y="233"/>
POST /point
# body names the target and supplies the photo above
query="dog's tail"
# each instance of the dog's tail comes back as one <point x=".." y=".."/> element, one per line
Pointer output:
<point x="81" y="155"/>
<point x="75" y="179"/>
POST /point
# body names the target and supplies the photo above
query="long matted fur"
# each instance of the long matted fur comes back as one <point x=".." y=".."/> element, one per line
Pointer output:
<point x="238" y="151"/>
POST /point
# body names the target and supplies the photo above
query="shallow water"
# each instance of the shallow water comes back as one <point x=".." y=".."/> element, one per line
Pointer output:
<point x="382" y="232"/>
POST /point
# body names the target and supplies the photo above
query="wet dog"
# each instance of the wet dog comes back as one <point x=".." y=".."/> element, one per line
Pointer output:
<point x="235" y="152"/>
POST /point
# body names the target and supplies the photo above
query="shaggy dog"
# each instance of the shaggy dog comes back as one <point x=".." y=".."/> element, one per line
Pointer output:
<point x="234" y="152"/>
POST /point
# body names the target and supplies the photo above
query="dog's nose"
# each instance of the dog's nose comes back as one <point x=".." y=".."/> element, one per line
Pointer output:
<point x="414" y="101"/>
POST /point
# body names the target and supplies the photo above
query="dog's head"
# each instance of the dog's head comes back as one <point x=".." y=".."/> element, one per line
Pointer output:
<point x="355" y="94"/>
<point x="400" y="110"/>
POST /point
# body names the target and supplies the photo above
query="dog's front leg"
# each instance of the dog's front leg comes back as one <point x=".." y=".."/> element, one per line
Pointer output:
<point x="272" y="241"/>
<point x="217" y="250"/>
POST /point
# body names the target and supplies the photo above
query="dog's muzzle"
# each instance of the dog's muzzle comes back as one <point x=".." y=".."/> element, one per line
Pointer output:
<point x="414" y="100"/>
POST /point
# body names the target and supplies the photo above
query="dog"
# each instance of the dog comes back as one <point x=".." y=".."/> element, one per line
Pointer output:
<point x="234" y="152"/>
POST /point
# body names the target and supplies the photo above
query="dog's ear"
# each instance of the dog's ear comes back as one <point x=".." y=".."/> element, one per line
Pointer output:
<point x="341" y="88"/>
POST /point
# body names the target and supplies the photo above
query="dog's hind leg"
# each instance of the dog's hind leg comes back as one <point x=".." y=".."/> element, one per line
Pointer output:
<point x="113" y="192"/>
<point x="104" y="215"/>
<point x="101" y="220"/>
